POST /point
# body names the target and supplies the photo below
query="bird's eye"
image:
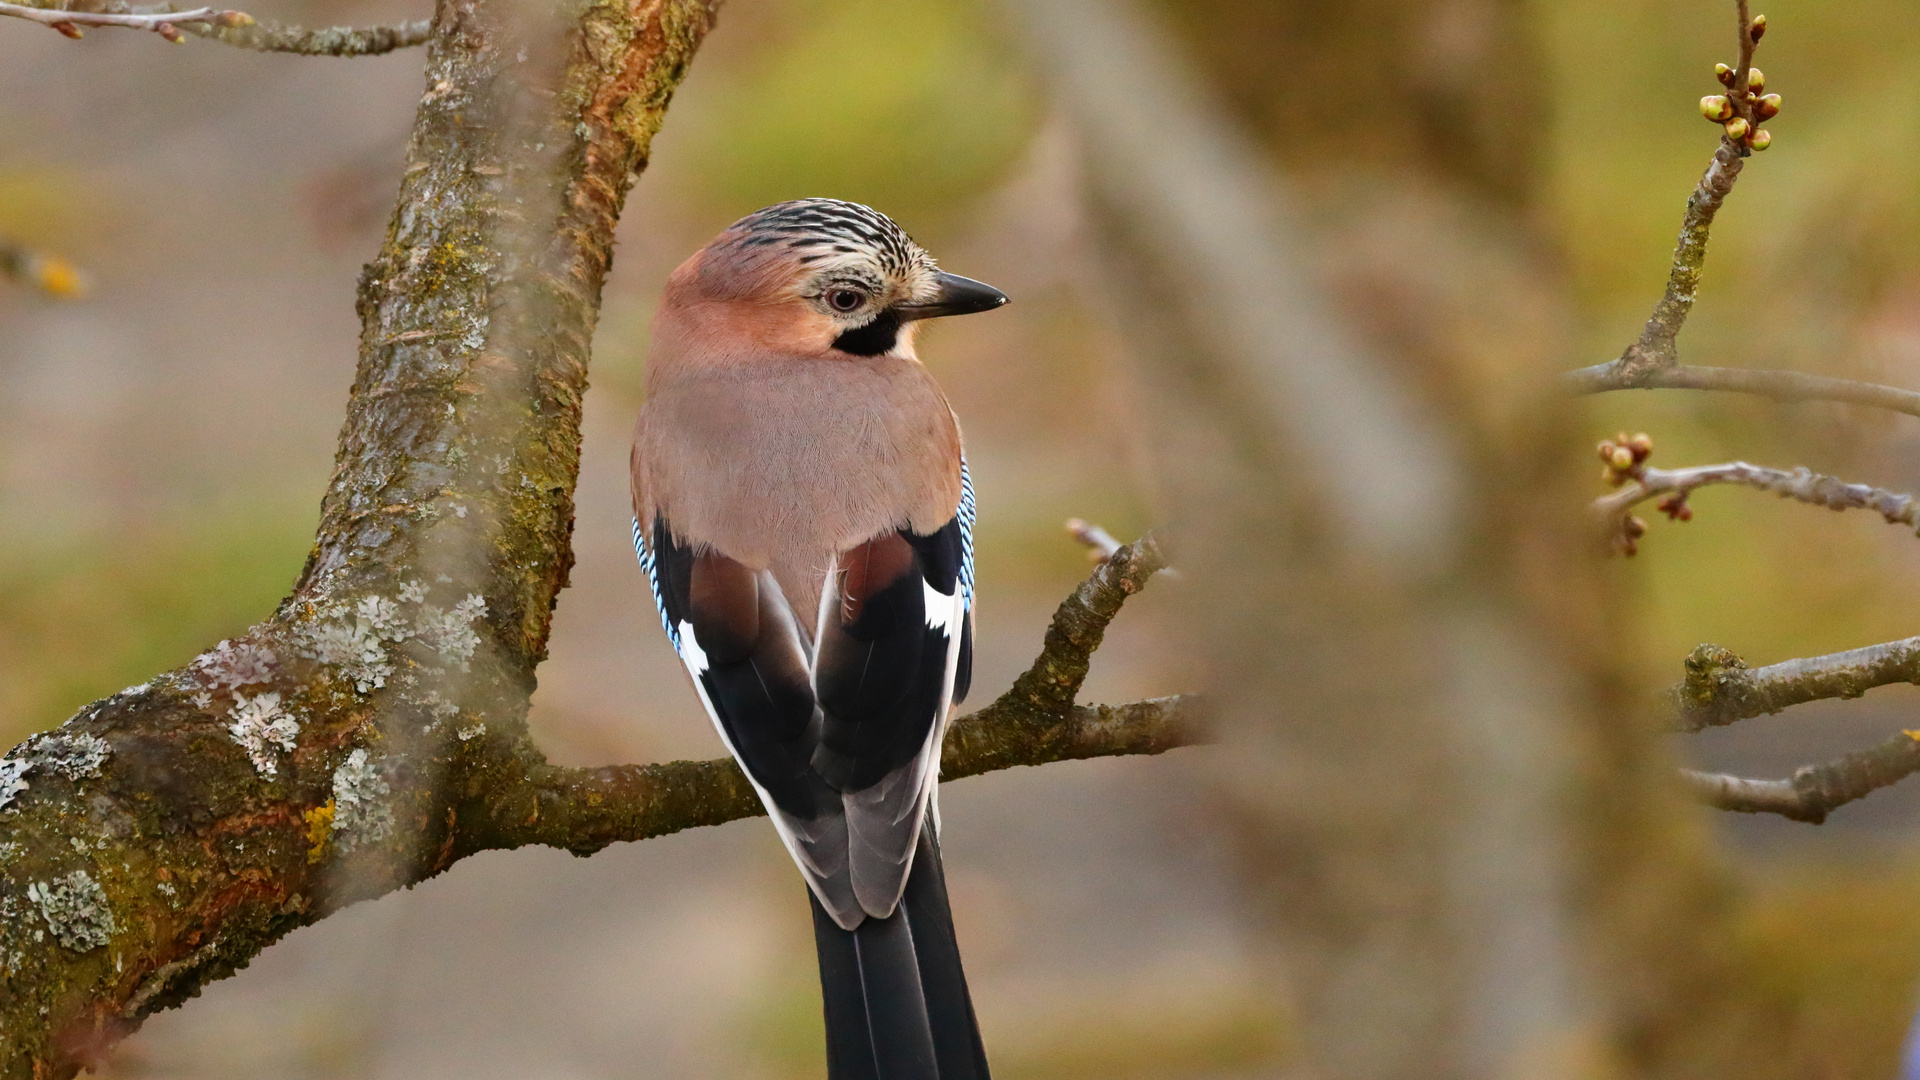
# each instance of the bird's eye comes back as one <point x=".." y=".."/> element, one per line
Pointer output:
<point x="846" y="299"/>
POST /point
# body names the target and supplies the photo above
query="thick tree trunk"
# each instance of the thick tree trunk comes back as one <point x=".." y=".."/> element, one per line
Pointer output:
<point x="347" y="746"/>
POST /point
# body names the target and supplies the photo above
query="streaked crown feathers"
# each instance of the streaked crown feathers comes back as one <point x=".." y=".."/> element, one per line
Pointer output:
<point x="825" y="241"/>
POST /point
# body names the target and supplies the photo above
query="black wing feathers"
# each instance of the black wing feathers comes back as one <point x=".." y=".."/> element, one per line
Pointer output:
<point x="882" y="660"/>
<point x="755" y="675"/>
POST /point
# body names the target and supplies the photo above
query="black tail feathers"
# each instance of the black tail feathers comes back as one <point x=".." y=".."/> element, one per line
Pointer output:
<point x="896" y="997"/>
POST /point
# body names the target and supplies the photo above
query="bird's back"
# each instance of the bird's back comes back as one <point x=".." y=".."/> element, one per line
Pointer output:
<point x="785" y="464"/>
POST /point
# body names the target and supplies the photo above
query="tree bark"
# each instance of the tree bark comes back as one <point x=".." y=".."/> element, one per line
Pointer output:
<point x="346" y="746"/>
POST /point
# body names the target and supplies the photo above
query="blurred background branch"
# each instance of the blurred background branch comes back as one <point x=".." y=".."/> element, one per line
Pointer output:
<point x="232" y="27"/>
<point x="50" y="274"/>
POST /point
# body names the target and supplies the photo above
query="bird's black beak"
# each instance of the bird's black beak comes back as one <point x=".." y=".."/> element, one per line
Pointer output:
<point x="957" y="296"/>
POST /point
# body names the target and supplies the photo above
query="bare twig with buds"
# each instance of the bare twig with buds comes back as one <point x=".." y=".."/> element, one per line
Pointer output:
<point x="1625" y="467"/>
<point x="168" y="24"/>
<point x="1740" y="111"/>
<point x="1719" y="688"/>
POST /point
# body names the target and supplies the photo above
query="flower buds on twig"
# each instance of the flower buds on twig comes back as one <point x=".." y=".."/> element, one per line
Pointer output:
<point x="1716" y="107"/>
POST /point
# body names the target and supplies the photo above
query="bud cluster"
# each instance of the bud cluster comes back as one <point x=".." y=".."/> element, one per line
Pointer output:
<point x="1621" y="457"/>
<point x="1743" y="109"/>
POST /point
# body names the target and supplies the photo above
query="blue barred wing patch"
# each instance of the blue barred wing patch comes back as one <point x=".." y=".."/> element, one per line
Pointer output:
<point x="648" y="564"/>
<point x="966" y="533"/>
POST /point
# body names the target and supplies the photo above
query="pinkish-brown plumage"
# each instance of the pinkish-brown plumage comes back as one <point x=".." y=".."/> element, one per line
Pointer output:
<point x="802" y="511"/>
<point x="761" y="440"/>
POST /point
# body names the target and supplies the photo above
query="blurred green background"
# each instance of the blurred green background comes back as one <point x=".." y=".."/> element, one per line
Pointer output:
<point x="163" y="443"/>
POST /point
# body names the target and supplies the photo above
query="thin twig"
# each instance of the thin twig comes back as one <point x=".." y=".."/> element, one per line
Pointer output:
<point x="325" y="41"/>
<point x="1800" y="483"/>
<point x="1814" y="791"/>
<point x="1788" y="386"/>
<point x="1657" y="349"/>
<point x="1099" y="540"/>
<point x="1720" y="689"/>
<point x="166" y="23"/>
<point x="234" y="28"/>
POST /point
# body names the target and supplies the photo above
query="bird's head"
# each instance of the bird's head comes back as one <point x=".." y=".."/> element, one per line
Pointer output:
<point x="825" y="277"/>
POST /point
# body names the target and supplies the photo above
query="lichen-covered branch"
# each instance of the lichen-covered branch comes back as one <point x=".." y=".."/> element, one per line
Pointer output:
<point x="269" y="36"/>
<point x="1720" y="689"/>
<point x="1814" y="791"/>
<point x="1657" y="346"/>
<point x="163" y="836"/>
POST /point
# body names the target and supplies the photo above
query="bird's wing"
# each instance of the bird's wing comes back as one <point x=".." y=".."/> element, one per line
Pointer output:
<point x="739" y="640"/>
<point x="842" y="742"/>
<point x="893" y="637"/>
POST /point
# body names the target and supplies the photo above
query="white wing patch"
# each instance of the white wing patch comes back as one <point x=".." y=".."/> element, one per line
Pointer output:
<point x="690" y="651"/>
<point x="943" y="609"/>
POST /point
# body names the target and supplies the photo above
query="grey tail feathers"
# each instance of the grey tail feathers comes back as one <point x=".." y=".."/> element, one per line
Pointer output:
<point x="896" y="998"/>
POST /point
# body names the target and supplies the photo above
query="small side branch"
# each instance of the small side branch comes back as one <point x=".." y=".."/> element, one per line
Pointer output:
<point x="1784" y="386"/>
<point x="584" y="810"/>
<point x="1814" y="791"/>
<point x="1720" y="689"/>
<point x="326" y="41"/>
<point x="1656" y="348"/>
<point x="235" y="28"/>
<point x="168" y="24"/>
<point x="1802" y="484"/>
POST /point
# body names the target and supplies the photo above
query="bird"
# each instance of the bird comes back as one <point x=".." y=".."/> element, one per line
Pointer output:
<point x="804" y="516"/>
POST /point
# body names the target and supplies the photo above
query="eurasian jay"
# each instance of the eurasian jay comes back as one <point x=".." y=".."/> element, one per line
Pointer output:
<point x="803" y="513"/>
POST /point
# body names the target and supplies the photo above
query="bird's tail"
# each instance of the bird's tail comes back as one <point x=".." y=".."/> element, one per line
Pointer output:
<point x="896" y="998"/>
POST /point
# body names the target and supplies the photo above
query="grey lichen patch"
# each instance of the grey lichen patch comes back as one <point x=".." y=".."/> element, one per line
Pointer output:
<point x="12" y="780"/>
<point x="263" y="729"/>
<point x="229" y="667"/>
<point x="355" y="639"/>
<point x="451" y="633"/>
<point x="74" y="755"/>
<point x="362" y="815"/>
<point x="75" y="910"/>
<point x="471" y="731"/>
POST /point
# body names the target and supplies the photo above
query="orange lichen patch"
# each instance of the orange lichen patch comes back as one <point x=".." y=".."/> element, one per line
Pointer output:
<point x="319" y="830"/>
